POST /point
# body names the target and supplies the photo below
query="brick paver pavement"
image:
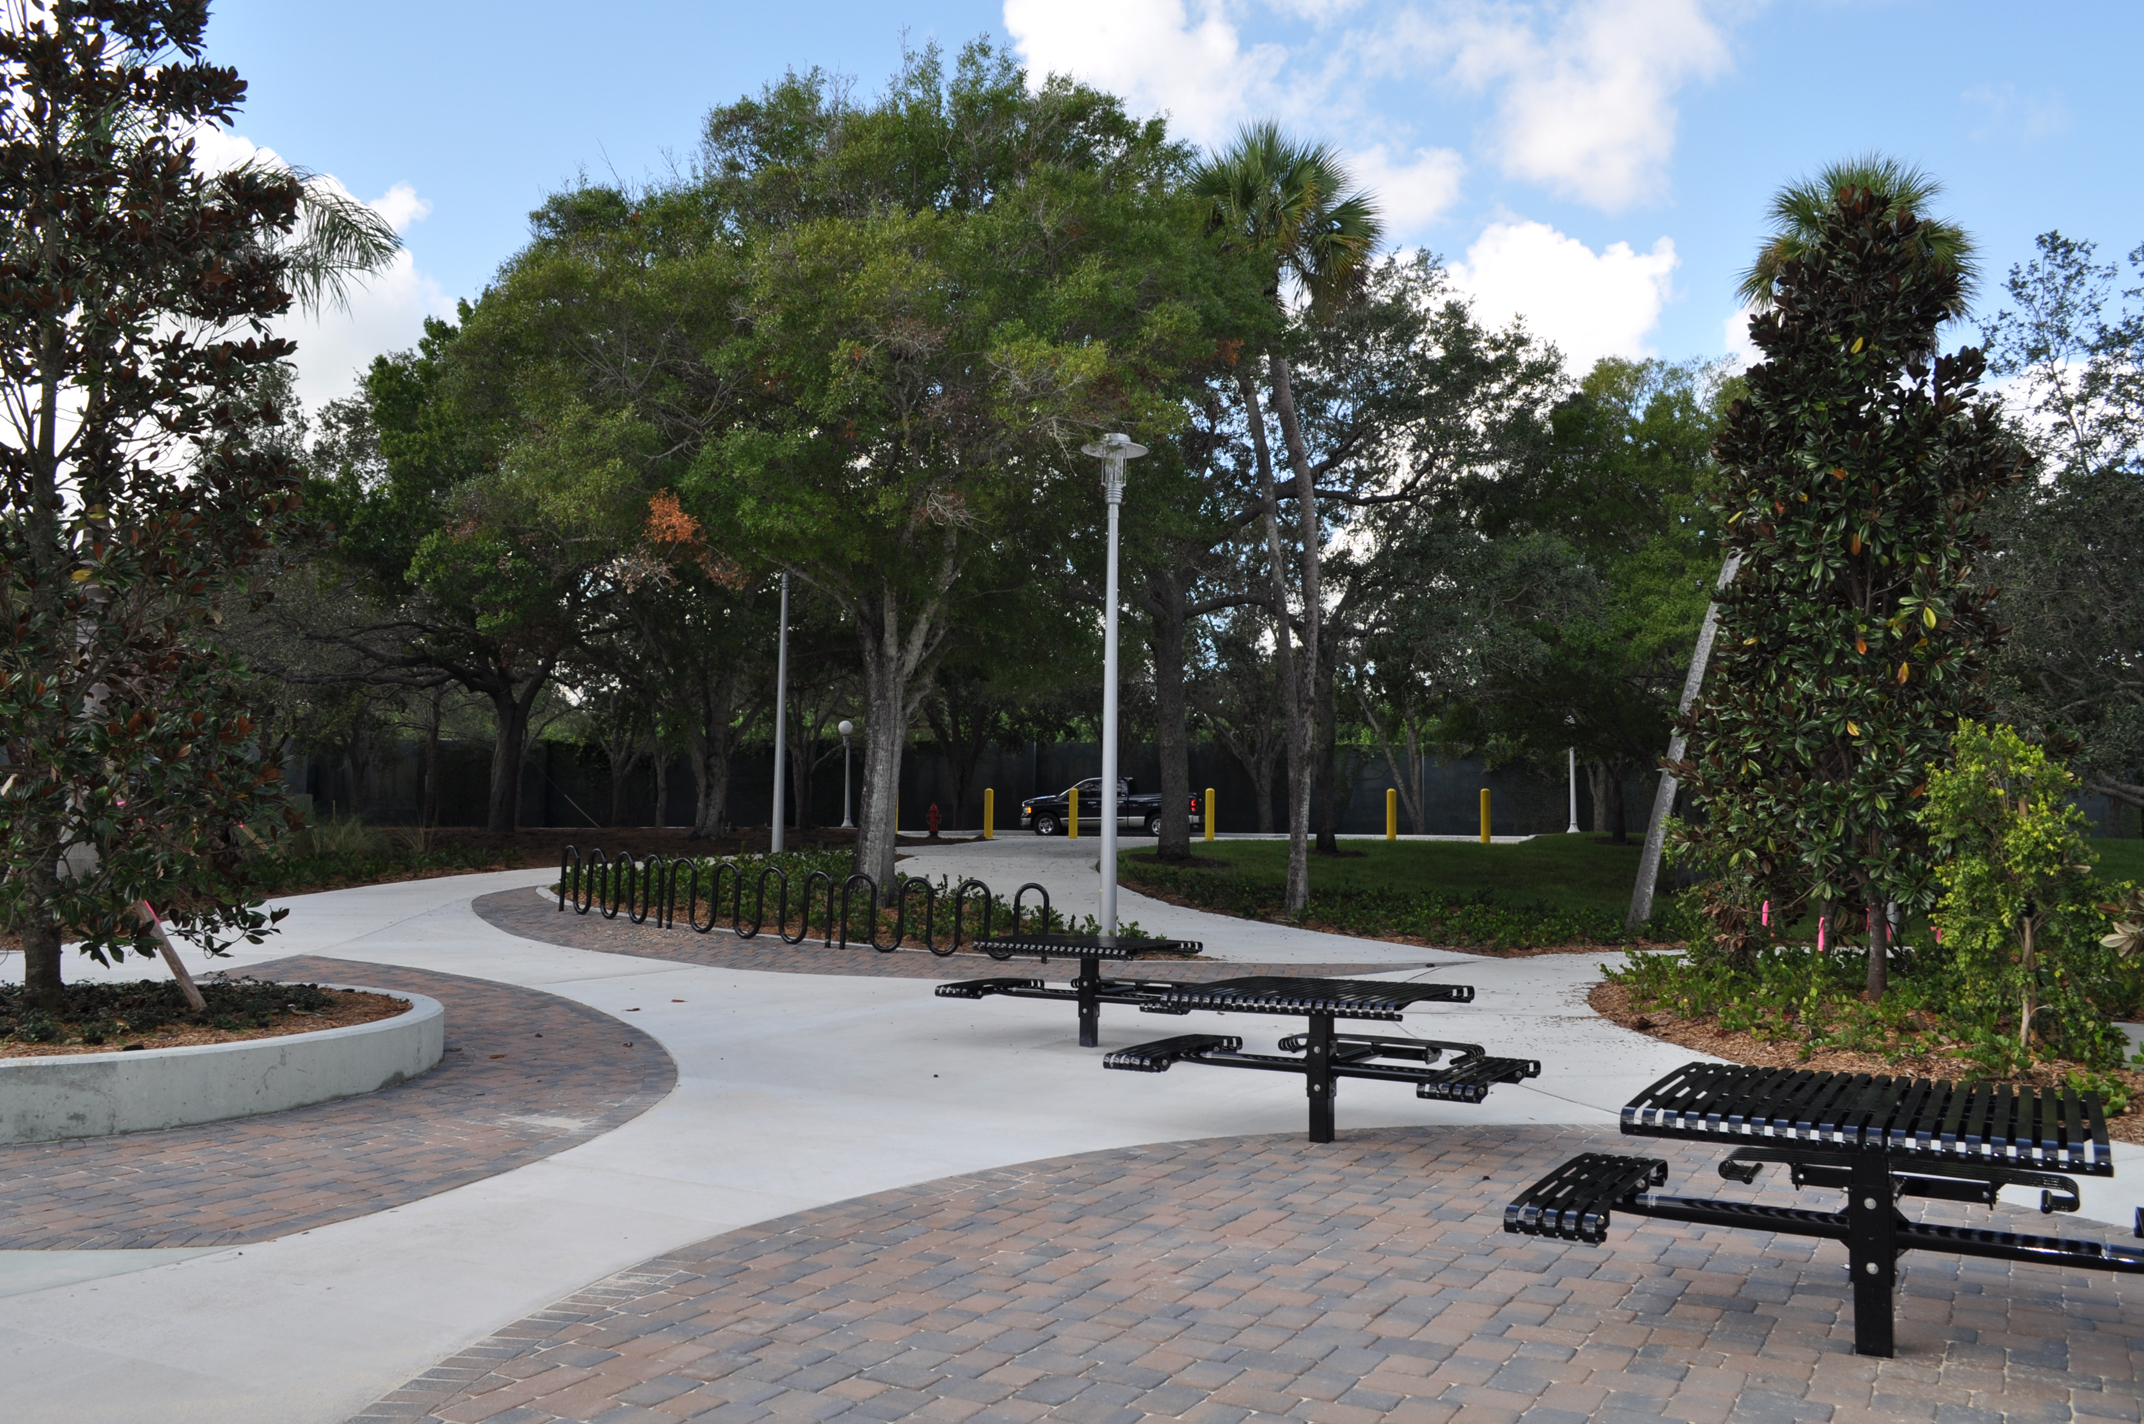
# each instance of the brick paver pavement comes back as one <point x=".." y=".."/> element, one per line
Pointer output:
<point x="526" y="1074"/>
<point x="524" y="913"/>
<point x="1266" y="1278"/>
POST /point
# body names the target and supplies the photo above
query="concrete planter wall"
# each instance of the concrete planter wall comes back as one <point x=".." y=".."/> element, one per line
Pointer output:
<point x="96" y="1094"/>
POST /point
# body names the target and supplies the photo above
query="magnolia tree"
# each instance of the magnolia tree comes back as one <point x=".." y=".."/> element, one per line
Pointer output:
<point x="1857" y="630"/>
<point x="135" y="490"/>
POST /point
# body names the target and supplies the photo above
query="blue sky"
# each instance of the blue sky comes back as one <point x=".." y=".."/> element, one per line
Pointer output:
<point x="1599" y="166"/>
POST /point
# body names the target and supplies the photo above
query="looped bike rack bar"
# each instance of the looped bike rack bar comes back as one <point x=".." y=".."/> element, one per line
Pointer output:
<point x="909" y="884"/>
<point x="570" y="883"/>
<point x="960" y="904"/>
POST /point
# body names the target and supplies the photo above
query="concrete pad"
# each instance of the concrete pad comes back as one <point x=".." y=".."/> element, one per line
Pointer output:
<point x="24" y="1271"/>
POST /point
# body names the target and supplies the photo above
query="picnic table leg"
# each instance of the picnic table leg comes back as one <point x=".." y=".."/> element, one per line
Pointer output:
<point x="1318" y="1076"/>
<point x="1872" y="1254"/>
<point x="1089" y="985"/>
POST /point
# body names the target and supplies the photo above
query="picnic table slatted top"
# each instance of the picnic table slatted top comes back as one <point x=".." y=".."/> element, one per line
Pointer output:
<point x="1991" y="1124"/>
<point x="1276" y="994"/>
<point x="1072" y="946"/>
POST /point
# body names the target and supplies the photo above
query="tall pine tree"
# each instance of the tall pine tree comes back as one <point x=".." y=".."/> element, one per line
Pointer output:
<point x="1857" y="630"/>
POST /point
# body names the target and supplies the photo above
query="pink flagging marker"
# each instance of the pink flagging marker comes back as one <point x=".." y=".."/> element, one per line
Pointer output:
<point x="1821" y="922"/>
<point x="1767" y="915"/>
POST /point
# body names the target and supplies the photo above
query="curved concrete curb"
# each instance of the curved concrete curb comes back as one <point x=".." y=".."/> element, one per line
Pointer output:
<point x="96" y="1094"/>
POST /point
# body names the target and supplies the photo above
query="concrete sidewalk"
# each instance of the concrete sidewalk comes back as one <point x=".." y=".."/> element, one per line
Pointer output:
<point x="794" y="1091"/>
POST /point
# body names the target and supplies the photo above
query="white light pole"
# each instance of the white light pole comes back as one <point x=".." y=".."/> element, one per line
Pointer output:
<point x="1112" y="451"/>
<point x="845" y="727"/>
<point x="1572" y="829"/>
<point x="781" y="715"/>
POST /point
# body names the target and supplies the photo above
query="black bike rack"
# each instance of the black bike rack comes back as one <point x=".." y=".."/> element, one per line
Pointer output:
<point x="649" y="890"/>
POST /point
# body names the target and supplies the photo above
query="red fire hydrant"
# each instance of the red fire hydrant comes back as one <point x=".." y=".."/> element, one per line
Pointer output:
<point x="932" y="820"/>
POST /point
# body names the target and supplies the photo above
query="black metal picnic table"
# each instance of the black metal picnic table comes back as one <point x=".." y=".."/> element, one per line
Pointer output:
<point x="1878" y="1137"/>
<point x="1322" y="1055"/>
<point x="1089" y="990"/>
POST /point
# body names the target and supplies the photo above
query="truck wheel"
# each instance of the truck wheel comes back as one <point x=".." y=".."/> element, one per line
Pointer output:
<point x="1047" y="825"/>
<point x="1153" y="825"/>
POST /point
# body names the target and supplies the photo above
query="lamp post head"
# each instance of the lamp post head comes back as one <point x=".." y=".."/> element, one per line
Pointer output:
<point x="845" y="726"/>
<point x="1113" y="450"/>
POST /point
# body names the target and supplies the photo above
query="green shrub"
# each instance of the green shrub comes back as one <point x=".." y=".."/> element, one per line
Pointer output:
<point x="2032" y="971"/>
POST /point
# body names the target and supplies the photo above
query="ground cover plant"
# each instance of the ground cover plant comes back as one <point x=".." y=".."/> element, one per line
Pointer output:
<point x="127" y="1015"/>
<point x="1536" y="894"/>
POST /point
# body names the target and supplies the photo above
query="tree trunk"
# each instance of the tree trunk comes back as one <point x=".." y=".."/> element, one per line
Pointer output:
<point x="1879" y="952"/>
<point x="428" y="802"/>
<point x="1294" y="705"/>
<point x="1261" y="770"/>
<point x="1597" y="784"/>
<point x="885" y="733"/>
<point x="1329" y="799"/>
<point x="508" y="749"/>
<point x="662" y="779"/>
<point x="711" y="781"/>
<point x="800" y="767"/>
<point x="41" y="983"/>
<point x="1165" y="604"/>
<point x="711" y="740"/>
<point x="1619" y="798"/>
<point x="1302" y="769"/>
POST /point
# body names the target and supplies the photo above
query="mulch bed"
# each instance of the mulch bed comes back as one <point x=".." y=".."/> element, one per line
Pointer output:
<point x="1612" y="1001"/>
<point x="345" y="1007"/>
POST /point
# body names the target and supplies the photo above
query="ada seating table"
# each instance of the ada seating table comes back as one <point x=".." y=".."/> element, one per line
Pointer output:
<point x="1321" y="1055"/>
<point x="1089" y="990"/>
<point x="1877" y="1137"/>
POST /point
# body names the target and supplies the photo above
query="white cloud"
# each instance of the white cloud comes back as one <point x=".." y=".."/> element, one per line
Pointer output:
<point x="2010" y="114"/>
<point x="1586" y="107"/>
<point x="402" y="206"/>
<point x="1742" y="353"/>
<point x="1591" y="304"/>
<point x="1412" y="193"/>
<point x="1154" y="55"/>
<point x="386" y="311"/>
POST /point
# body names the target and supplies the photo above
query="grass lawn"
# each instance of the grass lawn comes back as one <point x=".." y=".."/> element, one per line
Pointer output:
<point x="1563" y="871"/>
<point x="1552" y="891"/>
<point x="2120" y="859"/>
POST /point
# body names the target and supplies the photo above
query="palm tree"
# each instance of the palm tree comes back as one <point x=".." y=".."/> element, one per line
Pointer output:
<point x="1286" y="205"/>
<point x="335" y="239"/>
<point x="1800" y="209"/>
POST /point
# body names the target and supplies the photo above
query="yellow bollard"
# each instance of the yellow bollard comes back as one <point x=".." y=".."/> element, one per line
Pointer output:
<point x="1485" y="815"/>
<point x="990" y="813"/>
<point x="1392" y="813"/>
<point x="1074" y="831"/>
<point x="1209" y="813"/>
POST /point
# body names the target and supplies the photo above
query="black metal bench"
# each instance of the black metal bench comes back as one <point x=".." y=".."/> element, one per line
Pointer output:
<point x="1089" y="990"/>
<point x="1323" y="1056"/>
<point x="1879" y="1138"/>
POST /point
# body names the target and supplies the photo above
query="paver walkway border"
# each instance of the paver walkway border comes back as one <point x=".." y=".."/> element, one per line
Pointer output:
<point x="526" y="1075"/>
<point x="1264" y="1278"/>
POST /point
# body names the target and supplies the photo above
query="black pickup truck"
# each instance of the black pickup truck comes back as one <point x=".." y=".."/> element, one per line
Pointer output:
<point x="1049" y="815"/>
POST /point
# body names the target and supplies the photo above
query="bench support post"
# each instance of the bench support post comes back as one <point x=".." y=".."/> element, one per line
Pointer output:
<point x="1872" y="1253"/>
<point x="1089" y="985"/>
<point x="1318" y="1079"/>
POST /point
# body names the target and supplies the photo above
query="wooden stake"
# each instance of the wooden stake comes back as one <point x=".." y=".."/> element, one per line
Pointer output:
<point x="171" y="957"/>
